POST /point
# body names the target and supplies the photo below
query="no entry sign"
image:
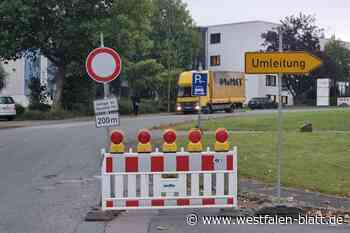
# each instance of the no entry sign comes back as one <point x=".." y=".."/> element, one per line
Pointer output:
<point x="103" y="65"/>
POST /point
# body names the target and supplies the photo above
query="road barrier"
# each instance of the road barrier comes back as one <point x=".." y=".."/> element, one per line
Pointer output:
<point x="171" y="178"/>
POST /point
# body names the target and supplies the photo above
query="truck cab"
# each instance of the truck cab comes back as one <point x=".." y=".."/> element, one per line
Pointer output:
<point x="185" y="102"/>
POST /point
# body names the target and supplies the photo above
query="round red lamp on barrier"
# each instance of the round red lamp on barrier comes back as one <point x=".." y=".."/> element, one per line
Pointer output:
<point x="221" y="135"/>
<point x="144" y="136"/>
<point x="195" y="136"/>
<point x="117" y="137"/>
<point x="169" y="136"/>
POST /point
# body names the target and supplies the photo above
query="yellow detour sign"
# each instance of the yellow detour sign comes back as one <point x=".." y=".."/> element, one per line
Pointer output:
<point x="280" y="62"/>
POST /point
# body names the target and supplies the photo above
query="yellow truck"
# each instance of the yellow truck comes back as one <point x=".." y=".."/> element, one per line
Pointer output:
<point x="226" y="91"/>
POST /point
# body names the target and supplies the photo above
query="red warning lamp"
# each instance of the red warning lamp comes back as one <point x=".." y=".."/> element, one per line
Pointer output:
<point x="117" y="137"/>
<point x="195" y="144"/>
<point x="169" y="136"/>
<point x="195" y="136"/>
<point x="221" y="135"/>
<point x="144" y="136"/>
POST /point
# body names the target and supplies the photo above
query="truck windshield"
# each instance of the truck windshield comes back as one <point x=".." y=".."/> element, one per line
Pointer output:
<point x="184" y="92"/>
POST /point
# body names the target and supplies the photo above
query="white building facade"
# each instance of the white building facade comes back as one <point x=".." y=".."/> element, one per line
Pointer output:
<point x="225" y="47"/>
<point x="20" y="72"/>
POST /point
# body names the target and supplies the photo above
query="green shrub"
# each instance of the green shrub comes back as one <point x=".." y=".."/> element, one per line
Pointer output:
<point x="40" y="107"/>
<point x="19" y="109"/>
<point x="125" y="106"/>
<point x="54" y="114"/>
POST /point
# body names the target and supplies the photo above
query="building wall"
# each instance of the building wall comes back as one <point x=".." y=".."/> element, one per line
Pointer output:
<point x="14" y="80"/>
<point x="19" y="74"/>
<point x="236" y="39"/>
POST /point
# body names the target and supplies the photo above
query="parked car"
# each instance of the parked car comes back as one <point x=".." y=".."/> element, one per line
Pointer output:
<point x="262" y="103"/>
<point x="7" y="108"/>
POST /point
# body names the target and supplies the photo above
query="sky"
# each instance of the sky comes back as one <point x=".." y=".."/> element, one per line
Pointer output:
<point x="331" y="15"/>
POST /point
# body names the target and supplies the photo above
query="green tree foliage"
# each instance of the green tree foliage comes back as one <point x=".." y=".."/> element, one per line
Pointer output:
<point x="63" y="31"/>
<point x="66" y="31"/>
<point x="339" y="63"/>
<point x="2" y="77"/>
<point x="144" y="78"/>
<point x="340" y="56"/>
<point x="176" y="40"/>
<point x="300" y="33"/>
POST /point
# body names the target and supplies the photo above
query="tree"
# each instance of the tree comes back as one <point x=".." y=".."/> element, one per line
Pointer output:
<point x="176" y="40"/>
<point x="63" y="31"/>
<point x="144" y="78"/>
<point x="340" y="55"/>
<point x="2" y="77"/>
<point x="300" y="33"/>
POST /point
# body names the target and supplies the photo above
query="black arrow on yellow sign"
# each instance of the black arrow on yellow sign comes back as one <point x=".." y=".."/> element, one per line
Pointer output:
<point x="280" y="62"/>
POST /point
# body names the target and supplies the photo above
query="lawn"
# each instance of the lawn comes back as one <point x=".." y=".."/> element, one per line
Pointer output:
<point x="335" y="120"/>
<point x="318" y="161"/>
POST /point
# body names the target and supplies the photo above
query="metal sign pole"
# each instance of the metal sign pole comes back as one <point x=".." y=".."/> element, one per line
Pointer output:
<point x="280" y="123"/>
<point x="199" y="104"/>
<point x="199" y="113"/>
<point x="105" y="93"/>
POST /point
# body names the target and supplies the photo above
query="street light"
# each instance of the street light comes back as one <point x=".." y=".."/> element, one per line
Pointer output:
<point x="166" y="14"/>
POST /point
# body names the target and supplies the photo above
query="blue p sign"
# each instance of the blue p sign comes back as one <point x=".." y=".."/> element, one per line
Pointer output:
<point x="199" y="84"/>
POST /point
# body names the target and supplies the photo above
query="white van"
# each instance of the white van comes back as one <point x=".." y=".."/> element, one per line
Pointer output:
<point x="7" y="108"/>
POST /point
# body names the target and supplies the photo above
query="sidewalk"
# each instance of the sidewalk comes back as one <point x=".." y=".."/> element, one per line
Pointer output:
<point x="18" y="124"/>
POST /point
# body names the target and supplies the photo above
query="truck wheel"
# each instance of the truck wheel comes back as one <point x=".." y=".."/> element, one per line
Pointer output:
<point x="209" y="109"/>
<point x="230" y="110"/>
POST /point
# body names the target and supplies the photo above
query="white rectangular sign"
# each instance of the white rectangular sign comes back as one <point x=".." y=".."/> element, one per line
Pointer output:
<point x="106" y="112"/>
<point x="343" y="101"/>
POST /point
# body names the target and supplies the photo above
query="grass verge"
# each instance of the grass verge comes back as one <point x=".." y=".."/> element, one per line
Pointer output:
<point x="318" y="161"/>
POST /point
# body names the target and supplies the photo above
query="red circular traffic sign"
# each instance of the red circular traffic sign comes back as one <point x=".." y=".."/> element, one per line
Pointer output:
<point x="103" y="65"/>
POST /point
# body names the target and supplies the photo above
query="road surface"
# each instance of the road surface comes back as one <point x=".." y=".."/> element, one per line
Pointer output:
<point x="49" y="176"/>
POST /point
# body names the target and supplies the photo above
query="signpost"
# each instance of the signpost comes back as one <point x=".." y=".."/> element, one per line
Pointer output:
<point x="199" y="88"/>
<point x="106" y="112"/>
<point x="104" y="65"/>
<point x="280" y="63"/>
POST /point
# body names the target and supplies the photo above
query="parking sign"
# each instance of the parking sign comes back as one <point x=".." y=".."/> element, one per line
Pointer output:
<point x="199" y="84"/>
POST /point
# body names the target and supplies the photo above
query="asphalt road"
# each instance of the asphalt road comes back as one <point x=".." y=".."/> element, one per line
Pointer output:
<point x="49" y="177"/>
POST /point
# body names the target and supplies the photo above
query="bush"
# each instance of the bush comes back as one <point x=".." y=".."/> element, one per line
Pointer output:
<point x="146" y="106"/>
<point x="55" y="114"/>
<point x="19" y="110"/>
<point x="125" y="106"/>
<point x="40" y="107"/>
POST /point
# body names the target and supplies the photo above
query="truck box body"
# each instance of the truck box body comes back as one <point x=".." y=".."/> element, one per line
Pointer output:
<point x="227" y="86"/>
<point x="226" y="91"/>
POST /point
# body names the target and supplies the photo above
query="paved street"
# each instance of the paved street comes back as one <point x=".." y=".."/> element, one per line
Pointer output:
<point x="49" y="180"/>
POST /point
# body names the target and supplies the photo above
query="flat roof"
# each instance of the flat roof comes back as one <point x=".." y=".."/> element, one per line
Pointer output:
<point x="237" y="23"/>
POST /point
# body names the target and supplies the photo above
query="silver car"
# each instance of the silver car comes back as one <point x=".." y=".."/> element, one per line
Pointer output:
<point x="7" y="108"/>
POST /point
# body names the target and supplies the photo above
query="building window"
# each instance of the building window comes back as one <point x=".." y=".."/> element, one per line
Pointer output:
<point x="215" y="60"/>
<point x="285" y="100"/>
<point x="215" y="38"/>
<point x="270" y="80"/>
<point x="284" y="85"/>
<point x="272" y="97"/>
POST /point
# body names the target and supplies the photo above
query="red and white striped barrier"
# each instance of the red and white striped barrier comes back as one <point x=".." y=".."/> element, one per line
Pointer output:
<point x="169" y="180"/>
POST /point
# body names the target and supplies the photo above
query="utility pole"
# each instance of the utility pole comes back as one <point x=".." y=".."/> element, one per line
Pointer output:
<point x="279" y="124"/>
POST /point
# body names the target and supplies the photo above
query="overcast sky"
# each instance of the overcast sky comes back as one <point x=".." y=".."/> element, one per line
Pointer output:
<point x="331" y="15"/>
